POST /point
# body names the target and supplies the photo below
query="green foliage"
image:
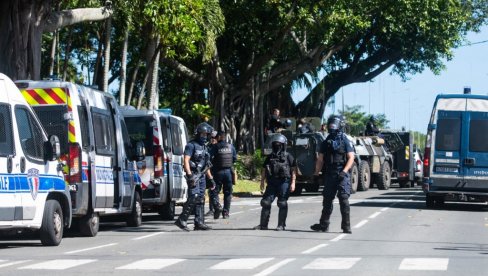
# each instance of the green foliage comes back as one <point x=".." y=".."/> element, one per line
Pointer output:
<point x="201" y="112"/>
<point x="356" y="120"/>
<point x="249" y="166"/>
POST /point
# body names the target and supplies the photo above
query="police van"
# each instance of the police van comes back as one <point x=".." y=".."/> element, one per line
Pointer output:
<point x="99" y="160"/>
<point x="32" y="189"/>
<point x="456" y="151"/>
<point x="164" y="137"/>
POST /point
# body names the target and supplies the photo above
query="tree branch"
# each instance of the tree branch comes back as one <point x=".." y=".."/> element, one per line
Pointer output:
<point x="184" y="70"/>
<point x="57" y="20"/>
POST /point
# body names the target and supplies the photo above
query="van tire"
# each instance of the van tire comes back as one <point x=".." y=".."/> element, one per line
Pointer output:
<point x="135" y="217"/>
<point x="383" y="178"/>
<point x="354" y="173"/>
<point x="89" y="224"/>
<point x="52" y="226"/>
<point x="167" y="210"/>
<point x="364" y="176"/>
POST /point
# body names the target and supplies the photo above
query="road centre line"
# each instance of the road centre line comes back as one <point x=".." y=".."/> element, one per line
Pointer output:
<point x="147" y="236"/>
<point x="315" y="248"/>
<point x="385" y="209"/>
<point x="274" y="267"/>
<point x="361" y="223"/>
<point x="374" y="215"/>
<point x="338" y="238"/>
<point x="91" y="248"/>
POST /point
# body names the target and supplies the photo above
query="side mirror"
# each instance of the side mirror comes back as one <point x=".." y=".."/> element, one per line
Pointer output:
<point x="139" y="151"/>
<point x="52" y="148"/>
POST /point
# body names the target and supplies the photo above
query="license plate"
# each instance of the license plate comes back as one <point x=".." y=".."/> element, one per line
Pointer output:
<point x="446" y="169"/>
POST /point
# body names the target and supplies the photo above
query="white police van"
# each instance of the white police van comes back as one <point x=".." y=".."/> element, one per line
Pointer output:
<point x="456" y="151"/>
<point x="164" y="137"/>
<point x="32" y="189"/>
<point x="95" y="148"/>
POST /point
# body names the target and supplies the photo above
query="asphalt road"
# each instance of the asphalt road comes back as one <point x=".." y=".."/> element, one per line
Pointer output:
<point x="393" y="234"/>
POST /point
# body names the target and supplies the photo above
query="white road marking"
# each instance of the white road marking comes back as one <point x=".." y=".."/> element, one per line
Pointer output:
<point x="374" y="215"/>
<point x="384" y="209"/>
<point x="274" y="267"/>
<point x="91" y="248"/>
<point x="424" y="264"/>
<point x="315" y="248"/>
<point x="59" y="264"/>
<point x="151" y="264"/>
<point x="338" y="238"/>
<point x="295" y="201"/>
<point x="147" y="236"/>
<point x="332" y="263"/>
<point x="235" y="213"/>
<point x="13" y="263"/>
<point x="254" y="209"/>
<point x="361" y="223"/>
<point x="243" y="263"/>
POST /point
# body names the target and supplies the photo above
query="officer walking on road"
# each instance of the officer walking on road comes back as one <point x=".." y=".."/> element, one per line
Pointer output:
<point x="213" y="143"/>
<point x="223" y="156"/>
<point x="337" y="157"/>
<point x="279" y="170"/>
<point x="196" y="165"/>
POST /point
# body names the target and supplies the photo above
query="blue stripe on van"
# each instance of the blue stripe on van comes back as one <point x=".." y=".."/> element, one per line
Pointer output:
<point x="46" y="183"/>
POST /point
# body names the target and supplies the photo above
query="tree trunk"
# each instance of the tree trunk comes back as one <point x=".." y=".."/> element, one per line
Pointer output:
<point x="67" y="54"/>
<point x="153" y="88"/>
<point x="123" y="68"/>
<point x="133" y="82"/>
<point x="106" y="61"/>
<point x="52" y="56"/>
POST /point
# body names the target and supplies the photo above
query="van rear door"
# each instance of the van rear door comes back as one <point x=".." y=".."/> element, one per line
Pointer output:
<point x="475" y="161"/>
<point x="447" y="166"/>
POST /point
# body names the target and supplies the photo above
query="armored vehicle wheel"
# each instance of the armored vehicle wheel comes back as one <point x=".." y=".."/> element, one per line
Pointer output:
<point x="383" y="178"/>
<point x="364" y="179"/>
<point x="167" y="210"/>
<point x="135" y="217"/>
<point x="354" y="173"/>
<point x="89" y="224"/>
<point x="52" y="224"/>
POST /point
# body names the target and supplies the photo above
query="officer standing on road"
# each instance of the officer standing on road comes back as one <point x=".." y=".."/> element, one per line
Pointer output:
<point x="196" y="165"/>
<point x="223" y="156"/>
<point x="337" y="156"/>
<point x="279" y="170"/>
<point x="213" y="142"/>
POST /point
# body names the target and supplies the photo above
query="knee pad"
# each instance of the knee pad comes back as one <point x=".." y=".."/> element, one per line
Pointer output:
<point x="265" y="203"/>
<point x="282" y="204"/>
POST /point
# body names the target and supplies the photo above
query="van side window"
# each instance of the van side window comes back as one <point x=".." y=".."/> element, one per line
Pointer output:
<point x="83" y="118"/>
<point x="125" y="137"/>
<point x="104" y="134"/>
<point x="30" y="134"/>
<point x="448" y="134"/>
<point x="6" y="141"/>
<point x="176" y="137"/>
<point x="164" y="126"/>
<point x="478" y="139"/>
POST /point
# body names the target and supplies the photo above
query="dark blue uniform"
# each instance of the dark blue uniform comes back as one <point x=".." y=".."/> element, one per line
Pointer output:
<point x="223" y="156"/>
<point x="337" y="183"/>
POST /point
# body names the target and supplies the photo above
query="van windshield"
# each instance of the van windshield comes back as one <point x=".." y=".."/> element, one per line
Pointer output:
<point x="478" y="135"/>
<point x="141" y="129"/>
<point x="53" y="121"/>
<point x="448" y="134"/>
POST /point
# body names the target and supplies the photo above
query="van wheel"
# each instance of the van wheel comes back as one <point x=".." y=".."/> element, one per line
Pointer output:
<point x="135" y="217"/>
<point x="384" y="177"/>
<point x="354" y="172"/>
<point x="89" y="224"/>
<point x="167" y="211"/>
<point x="364" y="176"/>
<point x="52" y="224"/>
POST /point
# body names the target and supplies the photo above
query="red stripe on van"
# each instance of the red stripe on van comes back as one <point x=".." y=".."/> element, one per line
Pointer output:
<point x="36" y="96"/>
<point x="55" y="96"/>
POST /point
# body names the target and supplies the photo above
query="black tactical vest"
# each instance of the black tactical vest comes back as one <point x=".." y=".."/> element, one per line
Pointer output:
<point x="198" y="160"/>
<point x="223" y="158"/>
<point x="278" y="166"/>
<point x="335" y="157"/>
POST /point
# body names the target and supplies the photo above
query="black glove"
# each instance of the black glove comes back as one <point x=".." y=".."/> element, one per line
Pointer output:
<point x="342" y="175"/>
<point x="190" y="180"/>
<point x="211" y="184"/>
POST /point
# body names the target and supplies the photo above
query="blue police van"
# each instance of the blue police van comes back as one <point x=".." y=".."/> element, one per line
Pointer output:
<point x="456" y="152"/>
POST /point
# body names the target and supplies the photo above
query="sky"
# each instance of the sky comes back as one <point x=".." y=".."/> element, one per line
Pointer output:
<point x="409" y="104"/>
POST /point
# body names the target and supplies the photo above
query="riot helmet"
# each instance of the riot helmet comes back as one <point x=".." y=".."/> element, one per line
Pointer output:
<point x="335" y="124"/>
<point x="202" y="132"/>
<point x="278" y="143"/>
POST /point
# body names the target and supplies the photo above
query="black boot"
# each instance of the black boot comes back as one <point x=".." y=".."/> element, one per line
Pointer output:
<point x="282" y="214"/>
<point x="200" y="219"/>
<point x="263" y="223"/>
<point x="345" y="214"/>
<point x="323" y="225"/>
<point x="185" y="213"/>
<point x="217" y="210"/>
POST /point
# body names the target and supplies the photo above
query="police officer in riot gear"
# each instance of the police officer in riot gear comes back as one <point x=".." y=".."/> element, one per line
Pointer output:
<point x="279" y="170"/>
<point x="371" y="129"/>
<point x="223" y="156"/>
<point x="196" y="166"/>
<point x="337" y="157"/>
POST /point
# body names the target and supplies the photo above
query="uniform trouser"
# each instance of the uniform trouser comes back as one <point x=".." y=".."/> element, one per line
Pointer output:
<point x="342" y="189"/>
<point x="276" y="188"/>
<point x="223" y="179"/>
<point x="196" y="200"/>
